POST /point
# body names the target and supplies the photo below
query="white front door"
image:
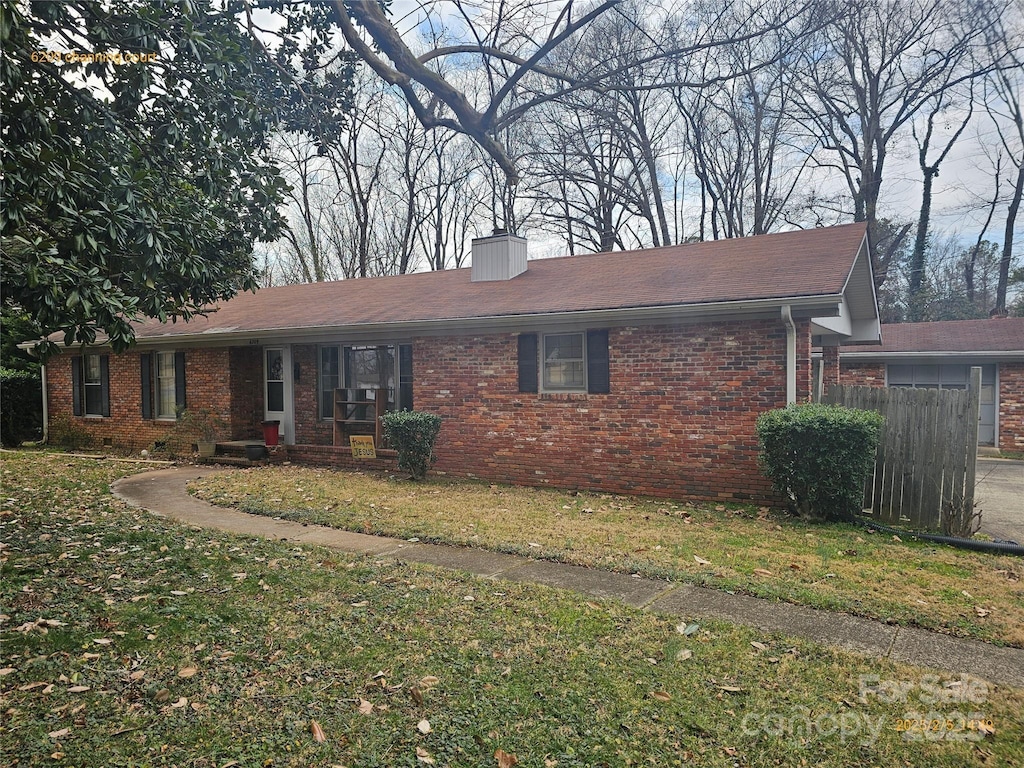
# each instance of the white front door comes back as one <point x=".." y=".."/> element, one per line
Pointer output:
<point x="277" y="391"/>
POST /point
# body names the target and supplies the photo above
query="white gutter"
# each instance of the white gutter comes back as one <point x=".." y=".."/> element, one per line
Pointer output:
<point x="787" y="318"/>
<point x="46" y="415"/>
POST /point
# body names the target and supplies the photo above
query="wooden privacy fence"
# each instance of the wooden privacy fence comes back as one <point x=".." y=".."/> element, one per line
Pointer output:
<point x="927" y="452"/>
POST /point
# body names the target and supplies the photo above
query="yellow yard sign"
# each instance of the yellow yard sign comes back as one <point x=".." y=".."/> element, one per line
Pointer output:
<point x="362" y="447"/>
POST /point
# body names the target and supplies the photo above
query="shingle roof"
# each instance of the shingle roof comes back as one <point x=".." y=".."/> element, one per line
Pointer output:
<point x="1004" y="334"/>
<point x="805" y="263"/>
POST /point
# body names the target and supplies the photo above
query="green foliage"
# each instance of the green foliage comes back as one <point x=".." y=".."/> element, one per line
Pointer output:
<point x="15" y="327"/>
<point x="818" y="456"/>
<point x="67" y="433"/>
<point x="21" y="407"/>
<point x="412" y="434"/>
<point x="137" y="171"/>
<point x="191" y="427"/>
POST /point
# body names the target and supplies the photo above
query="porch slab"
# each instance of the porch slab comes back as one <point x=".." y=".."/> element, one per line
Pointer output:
<point x="862" y="635"/>
<point x="631" y="590"/>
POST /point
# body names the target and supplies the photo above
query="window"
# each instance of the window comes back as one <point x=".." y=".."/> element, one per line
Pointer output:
<point x="275" y="380"/>
<point x="93" y="381"/>
<point x="365" y="369"/>
<point x="162" y="375"/>
<point x="564" y="362"/>
<point x="165" y="386"/>
<point x="90" y="384"/>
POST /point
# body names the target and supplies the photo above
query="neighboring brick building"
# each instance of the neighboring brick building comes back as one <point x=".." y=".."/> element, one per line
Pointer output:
<point x="940" y="354"/>
<point x="639" y="372"/>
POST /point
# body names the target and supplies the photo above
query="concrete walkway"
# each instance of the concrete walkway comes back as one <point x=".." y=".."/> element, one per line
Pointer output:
<point x="163" y="493"/>
<point x="999" y="494"/>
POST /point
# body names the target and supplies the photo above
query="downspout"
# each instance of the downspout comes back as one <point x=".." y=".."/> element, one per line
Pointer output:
<point x="46" y="416"/>
<point x="787" y="318"/>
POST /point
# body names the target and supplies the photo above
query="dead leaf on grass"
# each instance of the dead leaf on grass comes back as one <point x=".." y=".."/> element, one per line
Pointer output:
<point x="423" y="756"/>
<point x="759" y="646"/>
<point x="187" y="672"/>
<point x="365" y="707"/>
<point x="684" y="654"/>
<point x="428" y="682"/>
<point x="505" y="759"/>
<point x="661" y="695"/>
<point x="78" y="689"/>
<point x="180" y="703"/>
<point x="423" y="726"/>
<point x="762" y="572"/>
<point x="701" y="561"/>
<point x="59" y="734"/>
<point x="982" y="612"/>
<point x="317" y="731"/>
<point x="730" y="688"/>
<point x="417" y="695"/>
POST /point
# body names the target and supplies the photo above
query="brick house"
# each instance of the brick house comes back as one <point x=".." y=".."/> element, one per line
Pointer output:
<point x="940" y="355"/>
<point x="635" y="372"/>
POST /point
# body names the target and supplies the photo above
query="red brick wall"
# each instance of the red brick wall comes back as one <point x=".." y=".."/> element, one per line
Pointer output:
<point x="858" y="374"/>
<point x="246" y="388"/>
<point x="207" y="384"/>
<point x="830" y="372"/>
<point x="678" y="422"/>
<point x="309" y="428"/>
<point x="1011" y="407"/>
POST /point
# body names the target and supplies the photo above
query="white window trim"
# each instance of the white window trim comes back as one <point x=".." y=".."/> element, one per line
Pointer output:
<point x="542" y="352"/>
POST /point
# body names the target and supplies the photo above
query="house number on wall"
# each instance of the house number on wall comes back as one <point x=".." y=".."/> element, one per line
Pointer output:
<point x="253" y="342"/>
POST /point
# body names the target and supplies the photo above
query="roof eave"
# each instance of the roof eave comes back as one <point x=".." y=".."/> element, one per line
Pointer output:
<point x="802" y="306"/>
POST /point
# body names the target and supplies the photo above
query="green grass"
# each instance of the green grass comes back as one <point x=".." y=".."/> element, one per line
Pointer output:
<point x="746" y="549"/>
<point x="128" y="640"/>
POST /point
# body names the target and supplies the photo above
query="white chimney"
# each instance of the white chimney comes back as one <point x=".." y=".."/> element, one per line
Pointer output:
<point x="499" y="257"/>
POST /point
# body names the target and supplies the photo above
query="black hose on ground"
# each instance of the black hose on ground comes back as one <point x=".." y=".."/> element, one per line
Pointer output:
<point x="995" y="547"/>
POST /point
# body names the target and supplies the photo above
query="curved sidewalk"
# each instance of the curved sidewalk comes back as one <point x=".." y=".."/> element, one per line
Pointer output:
<point x="163" y="493"/>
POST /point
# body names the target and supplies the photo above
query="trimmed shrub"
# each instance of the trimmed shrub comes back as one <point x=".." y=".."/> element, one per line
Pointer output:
<point x="818" y="456"/>
<point x="21" y="407"/>
<point x="412" y="434"/>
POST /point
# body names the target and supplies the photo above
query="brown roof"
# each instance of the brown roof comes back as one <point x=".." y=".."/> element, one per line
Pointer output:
<point x="805" y="263"/>
<point x="1004" y="334"/>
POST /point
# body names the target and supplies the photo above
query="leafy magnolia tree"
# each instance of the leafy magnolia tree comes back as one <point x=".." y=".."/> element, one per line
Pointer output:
<point x="136" y="177"/>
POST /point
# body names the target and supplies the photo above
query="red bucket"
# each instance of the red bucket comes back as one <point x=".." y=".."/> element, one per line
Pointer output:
<point x="271" y="434"/>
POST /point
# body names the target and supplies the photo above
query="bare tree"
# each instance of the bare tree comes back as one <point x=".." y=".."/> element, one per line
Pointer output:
<point x="1006" y="110"/>
<point x="873" y="68"/>
<point x="944" y="103"/>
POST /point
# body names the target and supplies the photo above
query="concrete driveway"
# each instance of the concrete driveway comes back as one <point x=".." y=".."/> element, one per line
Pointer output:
<point x="999" y="493"/>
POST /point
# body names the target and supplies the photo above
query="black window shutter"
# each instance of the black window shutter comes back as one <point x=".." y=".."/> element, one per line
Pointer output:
<point x="146" y="377"/>
<point x="76" y="385"/>
<point x="179" y="380"/>
<point x="405" y="377"/>
<point x="598" y="376"/>
<point x="528" y="362"/>
<point x="105" y="385"/>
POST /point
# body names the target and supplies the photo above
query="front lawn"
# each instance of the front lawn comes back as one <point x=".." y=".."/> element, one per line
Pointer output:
<point x="836" y="567"/>
<point x="131" y="640"/>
